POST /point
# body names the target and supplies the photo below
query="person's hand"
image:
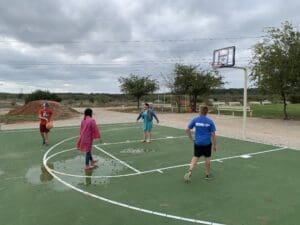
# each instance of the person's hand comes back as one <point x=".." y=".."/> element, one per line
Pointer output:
<point x="100" y="140"/>
<point x="215" y="148"/>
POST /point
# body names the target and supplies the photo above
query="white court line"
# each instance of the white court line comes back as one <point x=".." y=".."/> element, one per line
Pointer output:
<point x="102" y="127"/>
<point x="134" y="141"/>
<point x="115" y="202"/>
<point x="14" y="178"/>
<point x="120" y="161"/>
<point x="57" y="153"/>
<point x="220" y="159"/>
<point x="110" y="176"/>
<point x="160" y="170"/>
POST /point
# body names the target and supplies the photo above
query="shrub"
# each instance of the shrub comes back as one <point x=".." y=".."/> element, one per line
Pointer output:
<point x="42" y="95"/>
<point x="294" y="98"/>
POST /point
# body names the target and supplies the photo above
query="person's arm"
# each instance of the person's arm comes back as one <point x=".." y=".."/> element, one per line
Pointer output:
<point x="154" y="115"/>
<point x="95" y="131"/>
<point x="189" y="133"/>
<point x="214" y="141"/>
<point x="188" y="130"/>
<point x="139" y="117"/>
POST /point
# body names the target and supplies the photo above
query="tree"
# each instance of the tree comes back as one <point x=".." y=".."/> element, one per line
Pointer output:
<point x="138" y="86"/>
<point x="276" y="66"/>
<point x="42" y="95"/>
<point x="190" y="81"/>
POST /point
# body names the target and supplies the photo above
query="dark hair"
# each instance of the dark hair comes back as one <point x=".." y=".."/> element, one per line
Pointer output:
<point x="46" y="104"/>
<point x="146" y="104"/>
<point x="88" y="112"/>
<point x="203" y="110"/>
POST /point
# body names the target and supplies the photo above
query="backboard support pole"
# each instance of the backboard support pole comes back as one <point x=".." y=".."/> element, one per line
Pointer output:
<point x="245" y="99"/>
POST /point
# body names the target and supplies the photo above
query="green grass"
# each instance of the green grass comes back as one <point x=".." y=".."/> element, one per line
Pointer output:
<point x="273" y="111"/>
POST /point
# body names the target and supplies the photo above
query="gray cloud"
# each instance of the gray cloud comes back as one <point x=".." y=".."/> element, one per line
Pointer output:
<point x="85" y="46"/>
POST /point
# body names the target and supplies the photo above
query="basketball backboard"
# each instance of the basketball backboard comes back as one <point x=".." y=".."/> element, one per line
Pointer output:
<point x="224" y="57"/>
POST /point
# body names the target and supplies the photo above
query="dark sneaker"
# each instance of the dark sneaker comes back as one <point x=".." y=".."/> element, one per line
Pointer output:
<point x="187" y="176"/>
<point x="208" y="177"/>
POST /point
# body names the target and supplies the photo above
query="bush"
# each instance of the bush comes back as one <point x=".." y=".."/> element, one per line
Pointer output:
<point x="294" y="99"/>
<point x="42" y="95"/>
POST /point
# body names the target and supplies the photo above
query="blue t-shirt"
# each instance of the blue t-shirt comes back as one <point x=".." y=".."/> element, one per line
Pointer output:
<point x="204" y="127"/>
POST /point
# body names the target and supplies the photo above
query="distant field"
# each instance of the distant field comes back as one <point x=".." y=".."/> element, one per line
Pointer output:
<point x="273" y="111"/>
<point x="276" y="111"/>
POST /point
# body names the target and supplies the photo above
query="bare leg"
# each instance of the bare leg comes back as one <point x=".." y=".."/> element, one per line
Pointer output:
<point x="145" y="136"/>
<point x="46" y="138"/>
<point x="148" y="136"/>
<point x="188" y="175"/>
<point x="207" y="166"/>
<point x="193" y="163"/>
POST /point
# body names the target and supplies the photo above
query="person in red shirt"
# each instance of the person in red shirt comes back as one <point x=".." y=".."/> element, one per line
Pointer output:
<point x="45" y="115"/>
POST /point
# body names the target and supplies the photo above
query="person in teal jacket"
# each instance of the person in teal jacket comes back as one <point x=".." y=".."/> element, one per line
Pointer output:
<point x="147" y="115"/>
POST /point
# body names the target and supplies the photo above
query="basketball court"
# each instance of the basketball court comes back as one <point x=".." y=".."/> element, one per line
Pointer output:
<point x="142" y="183"/>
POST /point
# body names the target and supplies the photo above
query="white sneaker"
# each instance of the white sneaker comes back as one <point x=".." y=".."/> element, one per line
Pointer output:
<point x="187" y="176"/>
<point x="147" y="140"/>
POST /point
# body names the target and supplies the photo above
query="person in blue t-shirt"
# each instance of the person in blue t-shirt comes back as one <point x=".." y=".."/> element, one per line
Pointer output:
<point x="147" y="115"/>
<point x="204" y="141"/>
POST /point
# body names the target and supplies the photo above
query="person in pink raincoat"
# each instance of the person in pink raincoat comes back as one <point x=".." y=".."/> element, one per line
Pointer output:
<point x="88" y="132"/>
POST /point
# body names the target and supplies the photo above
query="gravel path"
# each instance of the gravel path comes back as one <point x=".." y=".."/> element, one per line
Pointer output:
<point x="276" y="132"/>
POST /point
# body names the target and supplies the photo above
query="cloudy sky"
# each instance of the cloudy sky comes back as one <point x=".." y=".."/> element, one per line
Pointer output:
<point x="86" y="45"/>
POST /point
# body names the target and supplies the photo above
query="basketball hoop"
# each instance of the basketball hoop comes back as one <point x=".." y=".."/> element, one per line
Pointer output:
<point x="217" y="65"/>
<point x="224" y="57"/>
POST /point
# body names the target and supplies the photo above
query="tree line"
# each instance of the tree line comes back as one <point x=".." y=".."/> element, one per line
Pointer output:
<point x="275" y="70"/>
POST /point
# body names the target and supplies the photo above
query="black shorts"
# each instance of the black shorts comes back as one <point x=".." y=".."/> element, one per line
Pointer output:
<point x="202" y="150"/>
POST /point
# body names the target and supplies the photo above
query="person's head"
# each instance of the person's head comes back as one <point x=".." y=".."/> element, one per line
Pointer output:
<point x="46" y="105"/>
<point x="146" y="106"/>
<point x="203" y="110"/>
<point x="88" y="112"/>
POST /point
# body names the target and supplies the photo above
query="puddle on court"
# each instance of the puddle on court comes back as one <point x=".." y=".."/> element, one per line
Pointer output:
<point x="74" y="166"/>
<point x="136" y="150"/>
<point x="38" y="175"/>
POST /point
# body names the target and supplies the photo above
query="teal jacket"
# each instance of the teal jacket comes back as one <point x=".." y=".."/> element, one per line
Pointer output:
<point x="150" y="115"/>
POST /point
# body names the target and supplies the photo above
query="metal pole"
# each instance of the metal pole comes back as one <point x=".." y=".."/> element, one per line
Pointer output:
<point x="245" y="100"/>
<point x="245" y="103"/>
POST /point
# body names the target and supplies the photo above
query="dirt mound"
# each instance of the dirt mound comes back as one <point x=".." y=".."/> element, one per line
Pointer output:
<point x="59" y="111"/>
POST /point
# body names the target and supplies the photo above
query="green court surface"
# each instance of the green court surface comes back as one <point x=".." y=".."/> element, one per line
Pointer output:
<point x="142" y="183"/>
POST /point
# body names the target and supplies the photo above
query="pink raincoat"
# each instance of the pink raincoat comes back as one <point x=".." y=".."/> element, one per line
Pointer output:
<point x="88" y="132"/>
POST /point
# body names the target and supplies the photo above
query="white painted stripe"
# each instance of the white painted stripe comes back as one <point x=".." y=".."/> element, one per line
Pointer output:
<point x="134" y="141"/>
<point x="159" y="169"/>
<point x="57" y="153"/>
<point x="115" y="202"/>
<point x="245" y="156"/>
<point x="25" y="130"/>
<point x="119" y="160"/>
<point x="13" y="178"/>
